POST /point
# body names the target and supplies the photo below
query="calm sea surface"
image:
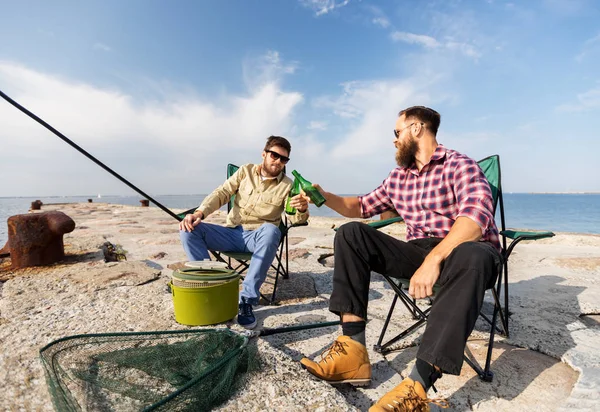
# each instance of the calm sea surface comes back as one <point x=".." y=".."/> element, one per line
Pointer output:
<point x="556" y="212"/>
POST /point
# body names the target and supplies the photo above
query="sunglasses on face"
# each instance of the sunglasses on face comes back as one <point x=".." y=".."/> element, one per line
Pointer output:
<point x="397" y="132"/>
<point x="276" y="156"/>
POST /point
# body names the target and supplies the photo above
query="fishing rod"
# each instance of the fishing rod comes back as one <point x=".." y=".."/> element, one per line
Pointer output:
<point x="89" y="156"/>
<point x="285" y="329"/>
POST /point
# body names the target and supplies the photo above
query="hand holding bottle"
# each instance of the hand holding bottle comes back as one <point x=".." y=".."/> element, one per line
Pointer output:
<point x="310" y="190"/>
<point x="319" y="188"/>
<point x="299" y="203"/>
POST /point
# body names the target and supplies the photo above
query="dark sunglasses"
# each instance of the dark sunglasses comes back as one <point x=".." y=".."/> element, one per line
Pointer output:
<point x="397" y="132"/>
<point x="277" y="156"/>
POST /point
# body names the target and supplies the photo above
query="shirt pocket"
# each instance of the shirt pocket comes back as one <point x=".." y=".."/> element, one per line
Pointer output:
<point x="272" y="206"/>
<point x="244" y="195"/>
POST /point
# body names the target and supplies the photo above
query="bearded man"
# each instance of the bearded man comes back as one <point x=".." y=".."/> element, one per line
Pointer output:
<point x="452" y="240"/>
<point x="253" y="222"/>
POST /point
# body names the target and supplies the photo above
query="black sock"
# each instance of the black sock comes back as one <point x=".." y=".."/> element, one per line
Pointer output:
<point x="356" y="330"/>
<point x="425" y="374"/>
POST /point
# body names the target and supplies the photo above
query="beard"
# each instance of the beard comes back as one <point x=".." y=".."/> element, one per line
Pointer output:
<point x="406" y="153"/>
<point x="272" y="170"/>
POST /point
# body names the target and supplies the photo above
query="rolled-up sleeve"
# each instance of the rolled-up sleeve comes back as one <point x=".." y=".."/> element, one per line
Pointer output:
<point x="376" y="202"/>
<point x="474" y="195"/>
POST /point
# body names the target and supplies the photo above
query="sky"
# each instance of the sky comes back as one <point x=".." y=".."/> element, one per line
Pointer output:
<point x="167" y="93"/>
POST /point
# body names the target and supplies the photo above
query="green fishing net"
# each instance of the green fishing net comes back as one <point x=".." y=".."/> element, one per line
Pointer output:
<point x="164" y="371"/>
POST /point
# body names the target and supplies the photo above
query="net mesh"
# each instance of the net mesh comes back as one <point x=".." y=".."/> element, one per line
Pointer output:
<point x="170" y="370"/>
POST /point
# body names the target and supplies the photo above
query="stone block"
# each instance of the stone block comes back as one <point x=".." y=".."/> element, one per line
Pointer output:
<point x="37" y="205"/>
<point x="37" y="239"/>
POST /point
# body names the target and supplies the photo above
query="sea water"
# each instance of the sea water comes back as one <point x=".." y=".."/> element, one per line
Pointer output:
<point x="579" y="213"/>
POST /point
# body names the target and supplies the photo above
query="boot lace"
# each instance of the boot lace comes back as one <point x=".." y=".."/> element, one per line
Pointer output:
<point x="336" y="349"/>
<point x="413" y="402"/>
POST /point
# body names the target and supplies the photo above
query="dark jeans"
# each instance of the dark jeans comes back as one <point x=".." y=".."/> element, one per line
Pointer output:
<point x="467" y="272"/>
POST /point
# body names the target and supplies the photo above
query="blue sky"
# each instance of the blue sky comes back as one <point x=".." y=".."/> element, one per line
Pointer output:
<point x="167" y="93"/>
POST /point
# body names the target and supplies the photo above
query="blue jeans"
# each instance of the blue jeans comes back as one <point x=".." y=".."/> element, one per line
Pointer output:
<point x="262" y="243"/>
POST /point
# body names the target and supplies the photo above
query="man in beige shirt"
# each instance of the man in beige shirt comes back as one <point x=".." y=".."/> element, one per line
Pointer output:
<point x="252" y="224"/>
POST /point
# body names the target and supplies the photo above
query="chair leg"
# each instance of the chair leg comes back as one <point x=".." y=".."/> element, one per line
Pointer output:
<point x="422" y="316"/>
<point x="506" y="310"/>
<point x="377" y="347"/>
<point x="486" y="374"/>
<point x="287" y="270"/>
<point x="277" y="271"/>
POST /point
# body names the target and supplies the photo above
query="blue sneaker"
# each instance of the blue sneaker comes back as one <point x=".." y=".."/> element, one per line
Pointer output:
<point x="245" y="316"/>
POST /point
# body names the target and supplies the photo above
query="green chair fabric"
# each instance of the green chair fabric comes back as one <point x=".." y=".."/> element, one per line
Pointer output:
<point x="241" y="261"/>
<point x="491" y="168"/>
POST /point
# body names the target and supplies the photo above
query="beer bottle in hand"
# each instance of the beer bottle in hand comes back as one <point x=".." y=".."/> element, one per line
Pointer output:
<point x="312" y="192"/>
<point x="294" y="191"/>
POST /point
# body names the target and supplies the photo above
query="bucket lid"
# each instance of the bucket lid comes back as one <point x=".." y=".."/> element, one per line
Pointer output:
<point x="204" y="275"/>
<point x="206" y="264"/>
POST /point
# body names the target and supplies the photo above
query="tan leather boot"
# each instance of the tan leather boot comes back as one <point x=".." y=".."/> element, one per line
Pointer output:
<point x="346" y="361"/>
<point x="407" y="397"/>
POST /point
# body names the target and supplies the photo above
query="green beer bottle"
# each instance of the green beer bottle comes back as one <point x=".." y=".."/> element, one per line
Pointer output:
<point x="294" y="191"/>
<point x="315" y="196"/>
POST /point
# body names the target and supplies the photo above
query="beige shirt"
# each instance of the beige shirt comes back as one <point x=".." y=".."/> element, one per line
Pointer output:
<point x="257" y="200"/>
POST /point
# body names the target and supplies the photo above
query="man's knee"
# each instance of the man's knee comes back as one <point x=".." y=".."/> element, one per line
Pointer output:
<point x="185" y="236"/>
<point x="475" y="255"/>
<point x="350" y="231"/>
<point x="270" y="233"/>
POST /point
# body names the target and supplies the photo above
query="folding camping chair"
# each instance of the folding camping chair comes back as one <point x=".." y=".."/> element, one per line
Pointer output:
<point x="491" y="168"/>
<point x="240" y="262"/>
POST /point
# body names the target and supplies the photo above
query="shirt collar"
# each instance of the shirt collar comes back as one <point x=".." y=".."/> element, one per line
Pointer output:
<point x="439" y="153"/>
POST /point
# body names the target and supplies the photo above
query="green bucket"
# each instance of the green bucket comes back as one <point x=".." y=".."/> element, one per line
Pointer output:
<point x="204" y="296"/>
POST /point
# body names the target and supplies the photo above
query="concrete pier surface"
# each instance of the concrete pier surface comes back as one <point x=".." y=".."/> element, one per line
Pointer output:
<point x="550" y="362"/>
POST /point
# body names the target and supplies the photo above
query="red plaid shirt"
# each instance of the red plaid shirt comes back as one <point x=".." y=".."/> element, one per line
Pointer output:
<point x="430" y="201"/>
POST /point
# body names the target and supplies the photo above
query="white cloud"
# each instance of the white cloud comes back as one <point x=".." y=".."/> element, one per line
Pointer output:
<point x="431" y="43"/>
<point x="379" y="18"/>
<point x="267" y="68"/>
<point x="381" y="21"/>
<point x="171" y="145"/>
<point x="589" y="100"/>
<point x="420" y="39"/>
<point x="102" y="46"/>
<point x="369" y="109"/>
<point x="321" y="7"/>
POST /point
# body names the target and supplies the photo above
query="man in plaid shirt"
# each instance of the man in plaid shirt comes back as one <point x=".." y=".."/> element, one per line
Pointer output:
<point x="452" y="240"/>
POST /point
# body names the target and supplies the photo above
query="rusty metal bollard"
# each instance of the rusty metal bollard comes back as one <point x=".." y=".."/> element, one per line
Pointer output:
<point x="37" y="239"/>
<point x="37" y="205"/>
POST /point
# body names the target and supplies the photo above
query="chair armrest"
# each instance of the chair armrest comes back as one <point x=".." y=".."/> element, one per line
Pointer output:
<point x="383" y="223"/>
<point x="378" y="224"/>
<point x="285" y="229"/>
<point x="515" y="234"/>
<point x="182" y="214"/>
<point x="297" y="225"/>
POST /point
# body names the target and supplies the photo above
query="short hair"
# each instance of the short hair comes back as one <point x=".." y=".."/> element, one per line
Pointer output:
<point x="426" y="115"/>
<point x="278" y="141"/>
